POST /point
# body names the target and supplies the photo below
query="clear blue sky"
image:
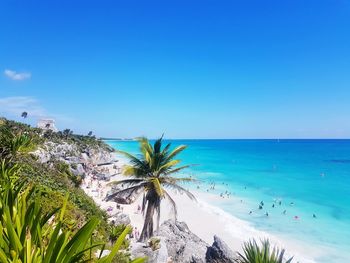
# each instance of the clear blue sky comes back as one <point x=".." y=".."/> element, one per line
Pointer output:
<point x="190" y="69"/>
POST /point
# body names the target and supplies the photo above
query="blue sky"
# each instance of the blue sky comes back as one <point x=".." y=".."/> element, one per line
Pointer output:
<point x="189" y="69"/>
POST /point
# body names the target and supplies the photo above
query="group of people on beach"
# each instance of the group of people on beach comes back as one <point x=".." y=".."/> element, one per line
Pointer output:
<point x="90" y="182"/>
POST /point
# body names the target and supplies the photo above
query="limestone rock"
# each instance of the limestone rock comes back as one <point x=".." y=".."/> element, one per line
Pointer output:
<point x="157" y="256"/>
<point x="120" y="219"/>
<point x="183" y="246"/>
<point x="219" y="252"/>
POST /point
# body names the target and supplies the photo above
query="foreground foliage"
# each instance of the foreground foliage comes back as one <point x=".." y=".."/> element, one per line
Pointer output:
<point x="253" y="253"/>
<point x="150" y="174"/>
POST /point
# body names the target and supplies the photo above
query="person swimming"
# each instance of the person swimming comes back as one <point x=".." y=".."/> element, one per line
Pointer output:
<point x="260" y="207"/>
<point x="273" y="205"/>
<point x="262" y="203"/>
<point x="314" y="216"/>
<point x="267" y="214"/>
<point x="250" y="212"/>
<point x="285" y="212"/>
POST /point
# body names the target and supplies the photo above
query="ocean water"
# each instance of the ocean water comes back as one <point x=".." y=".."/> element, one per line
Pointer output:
<point x="301" y="177"/>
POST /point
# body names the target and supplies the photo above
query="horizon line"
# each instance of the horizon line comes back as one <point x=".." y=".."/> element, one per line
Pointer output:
<point x="223" y="139"/>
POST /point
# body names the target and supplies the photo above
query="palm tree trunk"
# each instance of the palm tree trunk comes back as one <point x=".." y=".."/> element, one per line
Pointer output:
<point x="147" y="230"/>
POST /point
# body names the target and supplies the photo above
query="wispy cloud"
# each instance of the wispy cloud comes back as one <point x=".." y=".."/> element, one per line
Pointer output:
<point x="14" y="106"/>
<point x="17" y="75"/>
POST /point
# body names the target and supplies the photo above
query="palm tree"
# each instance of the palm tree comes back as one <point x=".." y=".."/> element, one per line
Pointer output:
<point x="150" y="174"/>
<point x="67" y="132"/>
<point x="24" y="114"/>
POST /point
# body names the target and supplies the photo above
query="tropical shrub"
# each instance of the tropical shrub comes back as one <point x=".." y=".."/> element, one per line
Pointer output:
<point x="12" y="144"/>
<point x="154" y="243"/>
<point x="253" y="253"/>
<point x="116" y="231"/>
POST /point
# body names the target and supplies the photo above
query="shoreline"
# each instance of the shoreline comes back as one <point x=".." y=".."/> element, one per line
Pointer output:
<point x="235" y="231"/>
<point x="207" y="220"/>
<point x="202" y="217"/>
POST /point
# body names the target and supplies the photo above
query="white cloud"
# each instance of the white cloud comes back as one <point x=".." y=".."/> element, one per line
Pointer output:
<point x="17" y="75"/>
<point x="14" y="106"/>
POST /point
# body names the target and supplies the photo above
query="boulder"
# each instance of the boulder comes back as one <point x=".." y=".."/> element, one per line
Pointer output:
<point x="43" y="157"/>
<point x="80" y="169"/>
<point x="160" y="255"/>
<point x="183" y="246"/>
<point x="219" y="252"/>
<point x="120" y="219"/>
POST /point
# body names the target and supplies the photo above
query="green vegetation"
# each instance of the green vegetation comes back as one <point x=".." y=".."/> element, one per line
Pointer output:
<point x="149" y="175"/>
<point x="13" y="144"/>
<point x="253" y="253"/>
<point x="116" y="232"/>
<point x="39" y="222"/>
<point x="29" y="235"/>
<point x="53" y="179"/>
<point x="154" y="243"/>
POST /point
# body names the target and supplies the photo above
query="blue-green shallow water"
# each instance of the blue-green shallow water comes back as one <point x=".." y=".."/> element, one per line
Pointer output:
<point x="313" y="174"/>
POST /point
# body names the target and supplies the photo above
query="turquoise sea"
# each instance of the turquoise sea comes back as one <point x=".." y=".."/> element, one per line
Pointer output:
<point x="308" y="179"/>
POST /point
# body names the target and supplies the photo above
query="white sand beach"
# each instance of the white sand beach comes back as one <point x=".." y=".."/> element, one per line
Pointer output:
<point x="203" y="219"/>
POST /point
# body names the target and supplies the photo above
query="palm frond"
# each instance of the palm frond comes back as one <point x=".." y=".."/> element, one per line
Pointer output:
<point x="173" y="204"/>
<point x="157" y="210"/>
<point x="180" y="189"/>
<point x="176" y="170"/>
<point x="146" y="148"/>
<point x="168" y="165"/>
<point x="175" y="152"/>
<point x="133" y="159"/>
<point x="173" y="180"/>
<point x="157" y="186"/>
<point x="126" y="182"/>
<point x="131" y="170"/>
<point x="166" y="149"/>
<point x="128" y="195"/>
<point x="158" y="144"/>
